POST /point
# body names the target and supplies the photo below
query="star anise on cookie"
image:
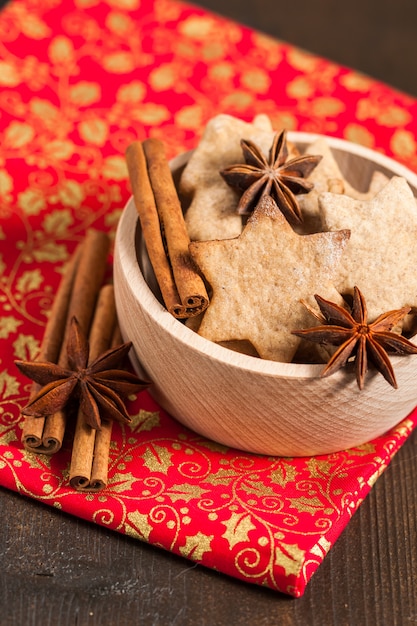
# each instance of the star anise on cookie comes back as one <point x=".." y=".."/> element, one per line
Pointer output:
<point x="357" y="338"/>
<point x="275" y="176"/>
<point x="98" y="385"/>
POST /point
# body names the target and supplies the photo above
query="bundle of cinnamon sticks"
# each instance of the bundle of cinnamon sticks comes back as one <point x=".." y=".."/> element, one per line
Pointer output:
<point x="81" y="294"/>
<point x="164" y="230"/>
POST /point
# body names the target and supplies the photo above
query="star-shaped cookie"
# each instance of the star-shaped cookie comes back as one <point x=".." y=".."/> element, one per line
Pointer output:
<point x="327" y="176"/>
<point x="380" y="256"/>
<point x="260" y="278"/>
<point x="212" y="210"/>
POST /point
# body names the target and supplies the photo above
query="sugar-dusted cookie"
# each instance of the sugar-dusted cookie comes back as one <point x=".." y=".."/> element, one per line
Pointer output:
<point x="259" y="279"/>
<point x="381" y="252"/>
<point x="327" y="176"/>
<point x="212" y="210"/>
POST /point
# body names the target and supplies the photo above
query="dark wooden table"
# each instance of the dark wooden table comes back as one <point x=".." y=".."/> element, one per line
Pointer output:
<point x="58" y="570"/>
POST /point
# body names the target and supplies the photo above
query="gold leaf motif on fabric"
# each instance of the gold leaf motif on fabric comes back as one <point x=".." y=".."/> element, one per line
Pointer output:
<point x="57" y="222"/>
<point x="122" y="482"/>
<point x="94" y="131"/>
<point x="119" y="62"/>
<point x="238" y="527"/>
<point x="131" y="93"/>
<point x="166" y="10"/>
<point x="29" y="281"/>
<point x="85" y="4"/>
<point x="283" y="474"/>
<point x="9" y="76"/>
<point x="256" y="80"/>
<point x="359" y="134"/>
<point x="26" y="347"/>
<point x="50" y="251"/>
<point x="403" y="144"/>
<point x="222" y="72"/>
<point x="239" y="100"/>
<point x="152" y="114"/>
<point x="33" y="27"/>
<point x="157" y="459"/>
<point x="300" y="88"/>
<point x="71" y="193"/>
<point x="61" y="50"/>
<point x="8" y="326"/>
<point x="125" y="5"/>
<point x="302" y="60"/>
<point x="189" y="117"/>
<point x="326" y="107"/>
<point x="197" y="27"/>
<point x="290" y="558"/>
<point x="46" y="111"/>
<point x="119" y="23"/>
<point x="35" y="461"/>
<point x="163" y="77"/>
<point x="272" y="53"/>
<point x="18" y="134"/>
<point x="85" y="93"/>
<point x="31" y="201"/>
<point x="308" y="504"/>
<point x="355" y="81"/>
<point x="385" y="114"/>
<point x="9" y="385"/>
<point x="213" y="50"/>
<point x="185" y="492"/>
<point x="196" y="546"/>
<point x="7" y="434"/>
<point x="318" y="468"/>
<point x="6" y="185"/>
<point x="144" y="421"/>
<point x="114" y="167"/>
<point x="258" y="489"/>
<point x="363" y="450"/>
<point x="140" y="527"/>
<point x="222" y="477"/>
<point x="60" y="150"/>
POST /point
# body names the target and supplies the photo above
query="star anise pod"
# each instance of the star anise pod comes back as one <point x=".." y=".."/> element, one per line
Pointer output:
<point x="98" y="385"/>
<point x="359" y="339"/>
<point x="276" y="176"/>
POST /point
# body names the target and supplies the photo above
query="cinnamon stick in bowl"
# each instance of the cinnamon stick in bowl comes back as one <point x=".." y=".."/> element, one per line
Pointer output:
<point x="164" y="230"/>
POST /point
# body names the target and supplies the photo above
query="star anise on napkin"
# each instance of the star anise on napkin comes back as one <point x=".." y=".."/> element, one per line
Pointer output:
<point x="359" y="339"/>
<point x="98" y="385"/>
<point x="276" y="176"/>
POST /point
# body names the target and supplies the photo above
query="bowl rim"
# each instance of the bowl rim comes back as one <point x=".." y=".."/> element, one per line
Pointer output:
<point x="191" y="339"/>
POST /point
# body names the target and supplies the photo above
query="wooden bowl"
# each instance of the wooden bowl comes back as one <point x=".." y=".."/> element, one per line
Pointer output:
<point x="242" y="401"/>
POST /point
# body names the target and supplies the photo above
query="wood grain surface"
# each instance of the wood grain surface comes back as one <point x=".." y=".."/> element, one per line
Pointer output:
<point x="60" y="571"/>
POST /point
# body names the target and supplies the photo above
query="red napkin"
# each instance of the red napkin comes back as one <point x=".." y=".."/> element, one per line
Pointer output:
<point x="79" y="80"/>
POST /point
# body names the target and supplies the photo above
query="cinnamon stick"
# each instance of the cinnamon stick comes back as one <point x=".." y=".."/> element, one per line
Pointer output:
<point x="99" y="470"/>
<point x="164" y="229"/>
<point x="87" y="284"/>
<point x="90" y="452"/>
<point x="32" y="436"/>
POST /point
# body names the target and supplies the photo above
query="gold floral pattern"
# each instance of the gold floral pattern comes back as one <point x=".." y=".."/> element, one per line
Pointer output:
<point x="79" y="80"/>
